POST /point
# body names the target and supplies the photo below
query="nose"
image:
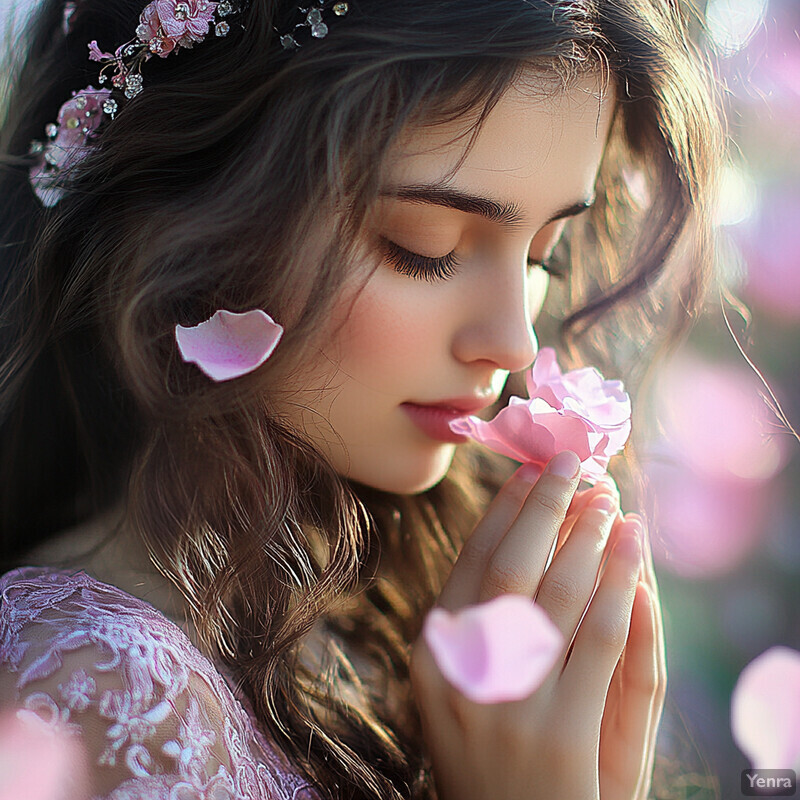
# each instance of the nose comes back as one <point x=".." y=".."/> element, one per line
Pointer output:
<point x="498" y="324"/>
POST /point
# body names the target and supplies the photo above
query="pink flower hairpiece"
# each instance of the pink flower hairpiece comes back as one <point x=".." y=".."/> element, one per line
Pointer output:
<point x="229" y="344"/>
<point x="578" y="410"/>
<point x="165" y="27"/>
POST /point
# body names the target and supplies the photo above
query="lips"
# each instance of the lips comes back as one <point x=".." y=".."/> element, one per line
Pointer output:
<point x="463" y="405"/>
<point x="434" y="419"/>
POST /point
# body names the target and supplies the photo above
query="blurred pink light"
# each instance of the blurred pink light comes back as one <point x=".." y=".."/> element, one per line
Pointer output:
<point x="768" y="68"/>
<point x="706" y="527"/>
<point x="709" y="481"/>
<point x="771" y="247"/>
<point x="717" y="421"/>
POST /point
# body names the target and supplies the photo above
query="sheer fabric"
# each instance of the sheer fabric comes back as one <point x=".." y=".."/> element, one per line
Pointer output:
<point x="154" y="717"/>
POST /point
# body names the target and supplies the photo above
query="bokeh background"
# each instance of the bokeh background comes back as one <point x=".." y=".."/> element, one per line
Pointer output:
<point x="726" y="472"/>
<point x="725" y="468"/>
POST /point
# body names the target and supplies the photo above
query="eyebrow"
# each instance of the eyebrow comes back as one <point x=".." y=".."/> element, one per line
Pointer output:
<point x="507" y="214"/>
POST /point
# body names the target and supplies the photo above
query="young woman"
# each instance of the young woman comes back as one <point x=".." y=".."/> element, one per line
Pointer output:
<point x="218" y="586"/>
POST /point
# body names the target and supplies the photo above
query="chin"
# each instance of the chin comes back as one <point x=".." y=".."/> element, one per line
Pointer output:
<point x="411" y="473"/>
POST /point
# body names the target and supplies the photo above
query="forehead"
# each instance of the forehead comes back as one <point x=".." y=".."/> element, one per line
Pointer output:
<point x="537" y="137"/>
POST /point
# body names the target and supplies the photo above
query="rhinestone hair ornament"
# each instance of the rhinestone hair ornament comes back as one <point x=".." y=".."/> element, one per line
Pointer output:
<point x="165" y="27"/>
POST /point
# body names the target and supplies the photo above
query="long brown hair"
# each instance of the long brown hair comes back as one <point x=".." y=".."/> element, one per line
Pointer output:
<point x="204" y="193"/>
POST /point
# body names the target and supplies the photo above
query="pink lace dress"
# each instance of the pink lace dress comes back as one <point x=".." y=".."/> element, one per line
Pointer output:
<point x="155" y="718"/>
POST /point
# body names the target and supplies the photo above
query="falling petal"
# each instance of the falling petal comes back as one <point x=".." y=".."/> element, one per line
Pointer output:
<point x="765" y="710"/>
<point x="495" y="651"/>
<point x="38" y="759"/>
<point x="229" y="344"/>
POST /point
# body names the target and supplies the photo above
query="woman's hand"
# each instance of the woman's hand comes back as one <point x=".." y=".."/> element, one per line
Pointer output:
<point x="546" y="745"/>
<point x="635" y="697"/>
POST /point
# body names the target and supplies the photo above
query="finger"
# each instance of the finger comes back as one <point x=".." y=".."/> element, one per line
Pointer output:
<point x="657" y="707"/>
<point x="603" y="631"/>
<point x="568" y="585"/>
<point x="461" y="587"/>
<point x="626" y="733"/>
<point x="648" y="569"/>
<point x="617" y="530"/>
<point x="640" y="676"/>
<point x="649" y="575"/>
<point x="518" y="562"/>
<point x="579" y="502"/>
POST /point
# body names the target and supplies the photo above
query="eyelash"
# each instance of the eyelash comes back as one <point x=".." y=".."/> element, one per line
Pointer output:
<point x="420" y="267"/>
<point x="444" y="267"/>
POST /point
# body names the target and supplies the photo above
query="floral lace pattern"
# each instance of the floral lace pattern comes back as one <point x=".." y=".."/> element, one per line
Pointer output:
<point x="157" y="719"/>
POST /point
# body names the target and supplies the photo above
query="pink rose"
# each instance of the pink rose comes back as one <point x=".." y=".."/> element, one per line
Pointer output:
<point x="228" y="344"/>
<point x="578" y="411"/>
<point x="495" y="651"/>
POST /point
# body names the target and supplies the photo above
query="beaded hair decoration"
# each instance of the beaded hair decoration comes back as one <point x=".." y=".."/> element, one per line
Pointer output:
<point x="165" y="27"/>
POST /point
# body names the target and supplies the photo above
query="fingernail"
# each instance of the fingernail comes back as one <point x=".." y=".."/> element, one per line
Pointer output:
<point x="634" y="527"/>
<point x="565" y="465"/>
<point x="629" y="547"/>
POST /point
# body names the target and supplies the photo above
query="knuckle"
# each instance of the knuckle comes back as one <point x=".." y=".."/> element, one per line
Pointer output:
<point x="473" y="555"/>
<point x="551" y="504"/>
<point x="504" y="577"/>
<point x="561" y="591"/>
<point x="609" y="631"/>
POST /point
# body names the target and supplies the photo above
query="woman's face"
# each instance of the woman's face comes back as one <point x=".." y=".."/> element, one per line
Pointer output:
<point x="450" y="311"/>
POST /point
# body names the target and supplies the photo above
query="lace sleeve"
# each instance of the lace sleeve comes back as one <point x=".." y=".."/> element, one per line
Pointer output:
<point x="152" y="715"/>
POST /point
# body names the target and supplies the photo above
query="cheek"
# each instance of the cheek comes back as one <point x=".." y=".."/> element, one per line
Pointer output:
<point x="388" y="333"/>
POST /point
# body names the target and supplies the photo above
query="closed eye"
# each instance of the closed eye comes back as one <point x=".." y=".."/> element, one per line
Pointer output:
<point x="417" y="266"/>
<point x="443" y="267"/>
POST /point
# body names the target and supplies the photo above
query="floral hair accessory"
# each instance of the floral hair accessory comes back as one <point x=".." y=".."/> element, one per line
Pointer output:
<point x="165" y="26"/>
<point x="578" y="411"/>
<point x="313" y="21"/>
<point x="495" y="651"/>
<point x="69" y="139"/>
<point x="229" y="344"/>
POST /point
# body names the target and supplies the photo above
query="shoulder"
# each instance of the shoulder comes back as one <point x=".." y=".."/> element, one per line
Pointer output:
<point x="154" y="717"/>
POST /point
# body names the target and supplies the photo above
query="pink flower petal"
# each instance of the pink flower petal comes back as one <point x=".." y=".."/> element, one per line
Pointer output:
<point x="578" y="411"/>
<point x="95" y="53"/>
<point x="543" y="373"/>
<point x="765" y="710"/>
<point x="229" y="344"/>
<point x="42" y="181"/>
<point x="510" y="434"/>
<point x="495" y="651"/>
